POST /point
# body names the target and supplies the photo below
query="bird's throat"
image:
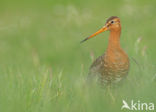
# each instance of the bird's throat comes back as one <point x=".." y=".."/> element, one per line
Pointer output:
<point x="114" y="40"/>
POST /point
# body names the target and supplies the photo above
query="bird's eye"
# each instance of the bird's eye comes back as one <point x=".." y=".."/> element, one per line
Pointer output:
<point x="112" y="22"/>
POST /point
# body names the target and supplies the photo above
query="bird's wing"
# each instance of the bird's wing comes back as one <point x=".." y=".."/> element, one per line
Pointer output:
<point x="94" y="71"/>
<point x="97" y="65"/>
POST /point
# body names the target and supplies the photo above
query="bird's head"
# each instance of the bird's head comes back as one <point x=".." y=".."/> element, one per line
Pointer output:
<point x="112" y="24"/>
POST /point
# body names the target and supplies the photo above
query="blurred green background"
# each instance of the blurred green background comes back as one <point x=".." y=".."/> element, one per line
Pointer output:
<point x="43" y="66"/>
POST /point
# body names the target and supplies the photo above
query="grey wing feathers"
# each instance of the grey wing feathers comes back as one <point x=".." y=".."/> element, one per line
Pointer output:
<point x="97" y="64"/>
<point x="94" y="71"/>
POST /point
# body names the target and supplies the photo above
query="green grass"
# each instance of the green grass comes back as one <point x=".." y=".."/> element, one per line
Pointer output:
<point x="43" y="66"/>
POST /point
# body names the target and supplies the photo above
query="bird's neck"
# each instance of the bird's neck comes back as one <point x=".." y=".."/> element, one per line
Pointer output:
<point x="114" y="40"/>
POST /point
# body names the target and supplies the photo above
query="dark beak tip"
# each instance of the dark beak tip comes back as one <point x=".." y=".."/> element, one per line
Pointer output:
<point x="84" y="40"/>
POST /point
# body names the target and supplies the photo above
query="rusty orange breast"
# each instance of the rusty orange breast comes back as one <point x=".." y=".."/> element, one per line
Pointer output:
<point x="115" y="65"/>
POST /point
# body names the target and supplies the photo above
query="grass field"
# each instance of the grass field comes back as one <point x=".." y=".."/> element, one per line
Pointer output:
<point x="43" y="66"/>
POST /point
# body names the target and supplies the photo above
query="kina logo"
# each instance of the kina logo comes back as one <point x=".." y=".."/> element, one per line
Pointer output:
<point x="137" y="105"/>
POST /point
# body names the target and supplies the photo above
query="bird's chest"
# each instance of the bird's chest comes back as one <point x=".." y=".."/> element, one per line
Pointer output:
<point x="115" y="60"/>
<point x="115" y="66"/>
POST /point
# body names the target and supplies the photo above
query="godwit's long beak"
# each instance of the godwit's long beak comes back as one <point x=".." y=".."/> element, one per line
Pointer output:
<point x="96" y="33"/>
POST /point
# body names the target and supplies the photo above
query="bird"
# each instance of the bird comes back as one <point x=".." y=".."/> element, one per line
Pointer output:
<point x="114" y="64"/>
